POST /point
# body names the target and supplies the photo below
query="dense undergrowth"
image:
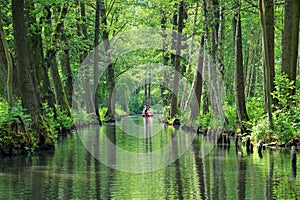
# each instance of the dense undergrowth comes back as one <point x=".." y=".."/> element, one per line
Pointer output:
<point x="16" y="132"/>
<point x="286" y="116"/>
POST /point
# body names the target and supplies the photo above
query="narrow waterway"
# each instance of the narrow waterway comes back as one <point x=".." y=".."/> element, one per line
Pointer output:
<point x="125" y="161"/>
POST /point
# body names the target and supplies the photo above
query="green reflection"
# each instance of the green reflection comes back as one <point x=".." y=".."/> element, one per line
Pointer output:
<point x="71" y="172"/>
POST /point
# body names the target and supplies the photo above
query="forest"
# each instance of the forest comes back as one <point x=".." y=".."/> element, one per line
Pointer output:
<point x="210" y="63"/>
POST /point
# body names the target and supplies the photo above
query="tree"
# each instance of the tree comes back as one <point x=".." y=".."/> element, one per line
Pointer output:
<point x="239" y="73"/>
<point x="110" y="114"/>
<point x="83" y="53"/>
<point x="212" y="14"/>
<point x="181" y="16"/>
<point x="9" y="67"/>
<point x="267" y="64"/>
<point x="163" y="87"/>
<point x="184" y="98"/>
<point x="96" y="59"/>
<point x="196" y="90"/>
<point x="24" y="57"/>
<point x="43" y="82"/>
<point x="65" y="63"/>
<point x="290" y="40"/>
<point x="60" y="95"/>
<point x="268" y="12"/>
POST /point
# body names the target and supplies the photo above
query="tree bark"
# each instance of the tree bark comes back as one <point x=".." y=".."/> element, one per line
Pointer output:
<point x="60" y="95"/>
<point x="110" y="114"/>
<point x="83" y="53"/>
<point x="268" y="12"/>
<point x="213" y="31"/>
<point x="251" y="62"/>
<point x="3" y="70"/>
<point x="197" y="83"/>
<point x="174" y="100"/>
<point x="9" y="67"/>
<point x="24" y="55"/>
<point x="46" y="94"/>
<point x="163" y="88"/>
<point x="66" y="68"/>
<point x="290" y="40"/>
<point x="239" y="74"/>
<point x="96" y="60"/>
<point x="23" y="59"/>
<point x="185" y="95"/>
<point x="267" y="64"/>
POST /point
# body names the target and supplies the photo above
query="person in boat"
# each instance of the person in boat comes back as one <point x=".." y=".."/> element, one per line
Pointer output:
<point x="149" y="112"/>
<point x="145" y="110"/>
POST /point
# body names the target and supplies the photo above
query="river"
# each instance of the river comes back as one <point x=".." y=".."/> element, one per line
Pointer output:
<point x="137" y="159"/>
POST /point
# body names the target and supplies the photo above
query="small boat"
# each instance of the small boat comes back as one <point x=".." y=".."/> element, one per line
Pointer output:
<point x="147" y="112"/>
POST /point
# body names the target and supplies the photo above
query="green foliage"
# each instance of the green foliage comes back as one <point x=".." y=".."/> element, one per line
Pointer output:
<point x="286" y="115"/>
<point x="230" y="111"/>
<point x="102" y="112"/>
<point x="83" y="118"/>
<point x="260" y="129"/>
<point x="283" y="87"/>
<point x="17" y="114"/>
<point x="15" y="135"/>
<point x="166" y="111"/>
<point x="204" y="120"/>
<point x="57" y="120"/>
<point x="255" y="108"/>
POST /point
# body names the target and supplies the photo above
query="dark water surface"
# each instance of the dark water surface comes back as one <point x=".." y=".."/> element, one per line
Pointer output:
<point x="72" y="172"/>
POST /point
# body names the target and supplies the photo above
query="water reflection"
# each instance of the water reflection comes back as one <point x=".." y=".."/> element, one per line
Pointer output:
<point x="241" y="166"/>
<point x="294" y="163"/>
<point x="148" y="126"/>
<point x="72" y="172"/>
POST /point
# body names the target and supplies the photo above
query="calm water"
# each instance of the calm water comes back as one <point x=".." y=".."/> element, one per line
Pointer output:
<point x="202" y="172"/>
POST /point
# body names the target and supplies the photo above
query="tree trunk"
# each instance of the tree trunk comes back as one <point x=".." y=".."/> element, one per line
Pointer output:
<point x="65" y="57"/>
<point x="23" y="58"/>
<point x="174" y="100"/>
<point x="96" y="60"/>
<point x="9" y="67"/>
<point x="268" y="12"/>
<point x="205" y="97"/>
<point x="3" y="70"/>
<point x="290" y="40"/>
<point x="149" y="91"/>
<point x="251" y="62"/>
<point x="82" y="30"/>
<point x="83" y="53"/>
<point x="184" y="97"/>
<point x="197" y="83"/>
<point x="267" y="64"/>
<point x="60" y="95"/>
<point x="164" y="86"/>
<point x="212" y="27"/>
<point x="239" y="74"/>
<point x="146" y="92"/>
<point x="47" y="94"/>
<point x="27" y="90"/>
<point x="110" y="114"/>
<point x="66" y="68"/>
